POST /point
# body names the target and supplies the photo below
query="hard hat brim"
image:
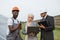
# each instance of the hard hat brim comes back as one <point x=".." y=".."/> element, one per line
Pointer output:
<point x="15" y="10"/>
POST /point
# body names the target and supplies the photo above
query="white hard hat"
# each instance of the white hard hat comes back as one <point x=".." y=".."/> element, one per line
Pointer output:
<point x="42" y="11"/>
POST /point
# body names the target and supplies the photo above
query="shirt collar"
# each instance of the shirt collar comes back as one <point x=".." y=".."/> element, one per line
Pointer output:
<point x="14" y="19"/>
<point x="45" y="16"/>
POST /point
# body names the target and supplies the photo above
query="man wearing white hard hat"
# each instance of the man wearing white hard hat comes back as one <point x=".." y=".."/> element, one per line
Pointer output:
<point x="47" y="31"/>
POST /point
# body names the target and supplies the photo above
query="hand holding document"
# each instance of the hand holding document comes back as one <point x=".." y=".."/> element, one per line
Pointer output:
<point x="43" y="24"/>
<point x="31" y="34"/>
<point x="33" y="30"/>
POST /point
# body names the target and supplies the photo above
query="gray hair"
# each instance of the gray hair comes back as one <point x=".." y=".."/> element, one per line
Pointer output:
<point x="31" y="15"/>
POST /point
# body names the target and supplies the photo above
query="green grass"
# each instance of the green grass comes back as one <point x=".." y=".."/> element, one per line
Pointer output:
<point x="56" y="33"/>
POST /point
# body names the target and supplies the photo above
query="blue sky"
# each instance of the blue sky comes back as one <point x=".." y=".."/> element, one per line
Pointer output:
<point x="29" y="6"/>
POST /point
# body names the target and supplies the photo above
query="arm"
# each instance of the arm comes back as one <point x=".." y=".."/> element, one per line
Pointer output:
<point x="50" y="25"/>
<point x="11" y="27"/>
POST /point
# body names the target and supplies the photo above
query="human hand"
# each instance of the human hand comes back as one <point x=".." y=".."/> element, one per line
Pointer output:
<point x="19" y="25"/>
<point x="42" y="26"/>
<point x="31" y="34"/>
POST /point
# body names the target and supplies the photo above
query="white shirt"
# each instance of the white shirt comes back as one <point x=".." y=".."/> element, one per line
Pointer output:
<point x="10" y="22"/>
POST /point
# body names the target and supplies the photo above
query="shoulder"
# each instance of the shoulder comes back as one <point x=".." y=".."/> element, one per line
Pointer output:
<point x="10" y="22"/>
<point x="10" y="19"/>
<point x="18" y="21"/>
<point x="34" y="22"/>
<point x="50" y="16"/>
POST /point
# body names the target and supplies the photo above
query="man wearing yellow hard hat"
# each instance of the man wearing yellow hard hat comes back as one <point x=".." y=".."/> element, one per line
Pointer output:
<point x="14" y="25"/>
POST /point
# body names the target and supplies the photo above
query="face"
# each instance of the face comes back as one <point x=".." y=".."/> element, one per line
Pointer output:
<point x="30" y="18"/>
<point x="43" y="14"/>
<point x="15" y="14"/>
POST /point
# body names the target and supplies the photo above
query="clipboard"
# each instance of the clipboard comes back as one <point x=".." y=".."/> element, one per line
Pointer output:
<point x="43" y="23"/>
<point x="33" y="29"/>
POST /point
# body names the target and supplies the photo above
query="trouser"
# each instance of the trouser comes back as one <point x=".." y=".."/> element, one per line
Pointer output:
<point x="47" y="35"/>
